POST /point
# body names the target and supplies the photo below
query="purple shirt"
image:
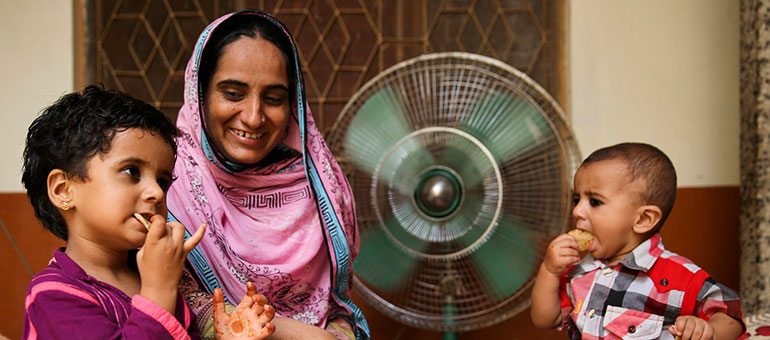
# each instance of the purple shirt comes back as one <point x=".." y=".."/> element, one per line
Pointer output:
<point x="63" y="302"/>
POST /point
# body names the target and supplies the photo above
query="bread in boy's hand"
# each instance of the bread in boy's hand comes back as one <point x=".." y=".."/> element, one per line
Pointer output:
<point x="582" y="237"/>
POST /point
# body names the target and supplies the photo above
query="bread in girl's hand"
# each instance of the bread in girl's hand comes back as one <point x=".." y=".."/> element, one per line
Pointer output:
<point x="144" y="221"/>
<point x="582" y="237"/>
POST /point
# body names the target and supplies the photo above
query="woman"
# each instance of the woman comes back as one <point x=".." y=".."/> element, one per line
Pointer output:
<point x="253" y="167"/>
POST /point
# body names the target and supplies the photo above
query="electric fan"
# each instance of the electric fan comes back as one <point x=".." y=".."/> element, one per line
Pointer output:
<point x="461" y="167"/>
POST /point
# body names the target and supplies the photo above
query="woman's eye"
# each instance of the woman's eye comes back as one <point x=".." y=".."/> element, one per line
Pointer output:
<point x="132" y="171"/>
<point x="233" y="95"/>
<point x="594" y="202"/>
<point x="274" y="100"/>
<point x="575" y="201"/>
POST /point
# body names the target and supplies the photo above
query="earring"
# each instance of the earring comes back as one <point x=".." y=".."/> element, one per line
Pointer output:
<point x="65" y="206"/>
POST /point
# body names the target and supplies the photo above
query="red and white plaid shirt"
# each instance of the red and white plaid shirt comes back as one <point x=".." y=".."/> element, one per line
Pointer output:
<point x="631" y="300"/>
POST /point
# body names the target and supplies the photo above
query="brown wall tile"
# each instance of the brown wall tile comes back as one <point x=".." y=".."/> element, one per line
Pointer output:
<point x="34" y="243"/>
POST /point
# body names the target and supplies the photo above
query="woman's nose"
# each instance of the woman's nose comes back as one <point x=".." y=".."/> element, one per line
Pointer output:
<point x="252" y="115"/>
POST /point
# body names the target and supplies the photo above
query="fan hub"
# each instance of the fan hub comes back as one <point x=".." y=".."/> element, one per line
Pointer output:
<point x="438" y="193"/>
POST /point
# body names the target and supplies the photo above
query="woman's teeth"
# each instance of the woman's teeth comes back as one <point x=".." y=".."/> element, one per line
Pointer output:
<point x="247" y="135"/>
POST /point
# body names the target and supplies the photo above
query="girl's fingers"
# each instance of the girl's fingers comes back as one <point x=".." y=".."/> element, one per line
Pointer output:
<point x="157" y="228"/>
<point x="193" y="241"/>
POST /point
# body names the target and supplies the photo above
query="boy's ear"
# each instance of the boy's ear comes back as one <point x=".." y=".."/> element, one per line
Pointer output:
<point x="59" y="190"/>
<point x="647" y="218"/>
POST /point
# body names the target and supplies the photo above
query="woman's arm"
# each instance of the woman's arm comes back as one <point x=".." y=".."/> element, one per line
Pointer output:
<point x="290" y="329"/>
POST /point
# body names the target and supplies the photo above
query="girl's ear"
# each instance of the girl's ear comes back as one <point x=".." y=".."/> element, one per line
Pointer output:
<point x="647" y="218"/>
<point x="59" y="189"/>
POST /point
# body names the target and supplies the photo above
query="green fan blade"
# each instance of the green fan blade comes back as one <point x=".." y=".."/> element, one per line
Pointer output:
<point x="402" y="167"/>
<point x="465" y="158"/>
<point x="507" y="125"/>
<point x="507" y="259"/>
<point x="376" y="127"/>
<point x="378" y="252"/>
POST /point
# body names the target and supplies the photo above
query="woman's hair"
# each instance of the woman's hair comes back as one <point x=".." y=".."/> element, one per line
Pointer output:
<point x="244" y="24"/>
<point x="75" y="128"/>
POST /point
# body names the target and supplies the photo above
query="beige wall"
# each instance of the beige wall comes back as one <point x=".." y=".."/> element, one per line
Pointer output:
<point x="662" y="72"/>
<point x="658" y="71"/>
<point x="36" y="67"/>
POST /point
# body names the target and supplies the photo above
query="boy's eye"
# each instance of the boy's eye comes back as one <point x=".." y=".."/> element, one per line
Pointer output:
<point x="594" y="202"/>
<point x="132" y="171"/>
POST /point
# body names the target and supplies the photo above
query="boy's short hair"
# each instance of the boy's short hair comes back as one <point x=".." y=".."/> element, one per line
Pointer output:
<point x="75" y="128"/>
<point x="649" y="163"/>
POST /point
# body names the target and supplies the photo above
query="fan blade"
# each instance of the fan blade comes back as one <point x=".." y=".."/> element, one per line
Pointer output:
<point x="388" y="273"/>
<point x="465" y="158"/>
<point x="404" y="164"/>
<point x="506" y="125"/>
<point x="507" y="259"/>
<point x="378" y="125"/>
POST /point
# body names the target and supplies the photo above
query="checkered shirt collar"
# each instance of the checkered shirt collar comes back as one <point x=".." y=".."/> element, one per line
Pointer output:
<point x="641" y="258"/>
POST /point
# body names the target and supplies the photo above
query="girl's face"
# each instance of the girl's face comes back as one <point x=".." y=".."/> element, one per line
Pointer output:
<point x="247" y="104"/>
<point x="133" y="176"/>
<point x="605" y="204"/>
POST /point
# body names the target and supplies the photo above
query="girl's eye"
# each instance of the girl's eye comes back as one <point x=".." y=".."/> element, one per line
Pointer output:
<point x="132" y="171"/>
<point x="594" y="202"/>
<point x="575" y="201"/>
<point x="165" y="183"/>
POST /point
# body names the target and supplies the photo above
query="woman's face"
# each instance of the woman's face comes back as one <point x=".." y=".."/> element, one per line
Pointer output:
<point x="247" y="104"/>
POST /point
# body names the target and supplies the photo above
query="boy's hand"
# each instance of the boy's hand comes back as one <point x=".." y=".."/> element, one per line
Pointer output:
<point x="161" y="259"/>
<point x="689" y="327"/>
<point x="561" y="253"/>
<point x="250" y="319"/>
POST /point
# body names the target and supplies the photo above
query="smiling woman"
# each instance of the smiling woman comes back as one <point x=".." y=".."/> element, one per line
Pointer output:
<point x="253" y="166"/>
<point x="247" y="100"/>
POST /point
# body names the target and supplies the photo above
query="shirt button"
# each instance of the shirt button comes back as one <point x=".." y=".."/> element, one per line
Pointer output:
<point x="664" y="282"/>
<point x="591" y="313"/>
<point x="607" y="272"/>
<point x="631" y="329"/>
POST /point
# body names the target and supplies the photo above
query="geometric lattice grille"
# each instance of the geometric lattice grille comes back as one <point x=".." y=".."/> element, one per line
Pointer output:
<point x="142" y="46"/>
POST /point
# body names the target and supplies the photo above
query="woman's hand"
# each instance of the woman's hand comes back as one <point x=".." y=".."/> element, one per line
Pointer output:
<point x="250" y="319"/>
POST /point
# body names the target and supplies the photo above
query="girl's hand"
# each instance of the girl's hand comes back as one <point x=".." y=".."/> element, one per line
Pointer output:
<point x="250" y="319"/>
<point x="161" y="259"/>
<point x="561" y="253"/>
<point x="689" y="327"/>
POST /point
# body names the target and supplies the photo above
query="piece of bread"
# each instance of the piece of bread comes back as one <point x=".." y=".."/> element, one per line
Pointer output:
<point x="582" y="237"/>
<point x="144" y="221"/>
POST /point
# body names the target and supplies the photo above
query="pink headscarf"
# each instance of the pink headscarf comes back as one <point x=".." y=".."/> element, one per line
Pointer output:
<point x="288" y="226"/>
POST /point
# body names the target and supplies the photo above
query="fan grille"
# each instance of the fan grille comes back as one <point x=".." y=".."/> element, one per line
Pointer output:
<point x="489" y="141"/>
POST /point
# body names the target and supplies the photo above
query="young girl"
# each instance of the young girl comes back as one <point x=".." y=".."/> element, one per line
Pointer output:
<point x="96" y="164"/>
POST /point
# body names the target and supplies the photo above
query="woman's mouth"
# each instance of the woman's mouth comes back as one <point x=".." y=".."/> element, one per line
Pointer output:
<point x="247" y="134"/>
